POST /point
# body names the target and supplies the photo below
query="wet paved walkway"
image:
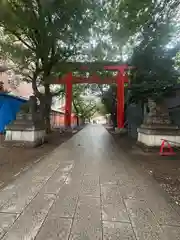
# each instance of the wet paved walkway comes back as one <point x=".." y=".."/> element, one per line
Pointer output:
<point x="86" y="189"/>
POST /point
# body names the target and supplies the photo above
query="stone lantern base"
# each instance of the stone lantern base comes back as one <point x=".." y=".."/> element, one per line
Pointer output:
<point x="24" y="132"/>
<point x="157" y="126"/>
<point x="151" y="137"/>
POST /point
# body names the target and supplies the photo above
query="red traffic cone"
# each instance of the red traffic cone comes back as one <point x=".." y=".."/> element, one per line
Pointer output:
<point x="166" y="149"/>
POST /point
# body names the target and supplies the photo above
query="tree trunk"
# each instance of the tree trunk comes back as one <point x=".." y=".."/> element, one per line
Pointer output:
<point x="47" y="118"/>
<point x="47" y="108"/>
<point x="45" y="100"/>
<point x="77" y="121"/>
<point x="77" y="112"/>
<point x="114" y="120"/>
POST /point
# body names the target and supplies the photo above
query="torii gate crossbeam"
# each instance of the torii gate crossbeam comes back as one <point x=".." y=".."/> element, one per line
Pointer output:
<point x="119" y="79"/>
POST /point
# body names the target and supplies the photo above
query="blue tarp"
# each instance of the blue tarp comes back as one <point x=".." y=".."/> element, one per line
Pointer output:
<point x="9" y="106"/>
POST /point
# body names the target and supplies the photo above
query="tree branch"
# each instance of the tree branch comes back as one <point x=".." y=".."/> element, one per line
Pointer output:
<point x="75" y="107"/>
<point x="20" y="39"/>
<point x="58" y="93"/>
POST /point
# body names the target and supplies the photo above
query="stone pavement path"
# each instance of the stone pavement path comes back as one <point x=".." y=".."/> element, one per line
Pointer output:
<point x="87" y="189"/>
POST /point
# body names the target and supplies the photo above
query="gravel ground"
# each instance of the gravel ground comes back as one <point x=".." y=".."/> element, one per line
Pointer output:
<point x="15" y="161"/>
<point x="166" y="170"/>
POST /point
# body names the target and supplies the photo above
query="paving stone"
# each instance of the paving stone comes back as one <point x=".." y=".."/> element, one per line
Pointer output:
<point x="74" y="180"/>
<point x="110" y="193"/>
<point x="44" y="174"/>
<point x="65" y="203"/>
<point x="163" y="211"/>
<point x="86" y="229"/>
<point x="6" y="193"/>
<point x="90" y="186"/>
<point x="143" y="221"/>
<point x="21" y="198"/>
<point x="114" y="212"/>
<point x="171" y="232"/>
<point x="55" y="228"/>
<point x="113" y="207"/>
<point x="40" y="173"/>
<point x="17" y="195"/>
<point x="6" y="220"/>
<point x="87" y="223"/>
<point x="19" y="185"/>
<point x="111" y="173"/>
<point x="88" y="207"/>
<point x="131" y="190"/>
<point x="77" y="173"/>
<point x="117" y="231"/>
<point x="55" y="183"/>
<point x="43" y="170"/>
<point x="109" y="178"/>
<point x="92" y="168"/>
<point x="28" y="224"/>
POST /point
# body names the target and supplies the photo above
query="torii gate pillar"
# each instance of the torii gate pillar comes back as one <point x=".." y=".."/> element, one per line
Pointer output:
<point x="68" y="104"/>
<point x="121" y="79"/>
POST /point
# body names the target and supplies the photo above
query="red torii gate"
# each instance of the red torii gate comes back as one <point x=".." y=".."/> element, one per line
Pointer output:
<point x="119" y="79"/>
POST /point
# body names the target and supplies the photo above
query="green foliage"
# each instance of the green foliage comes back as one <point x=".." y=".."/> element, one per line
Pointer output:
<point x="141" y="17"/>
<point x="154" y="74"/>
<point x="101" y="109"/>
<point x="177" y="61"/>
<point x="140" y="32"/>
<point x="109" y="99"/>
<point x="41" y="35"/>
<point x="83" y="108"/>
<point x="151" y="26"/>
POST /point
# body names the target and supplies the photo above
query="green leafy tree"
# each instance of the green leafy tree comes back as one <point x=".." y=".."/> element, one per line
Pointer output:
<point x="177" y="61"/>
<point x="83" y="107"/>
<point x="40" y="35"/>
<point x="135" y="20"/>
<point x="177" y="64"/>
<point x="150" y="26"/>
<point x="154" y="74"/>
<point x="101" y="109"/>
<point x="109" y="99"/>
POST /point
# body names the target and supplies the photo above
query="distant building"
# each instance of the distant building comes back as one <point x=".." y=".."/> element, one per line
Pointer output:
<point x="99" y="119"/>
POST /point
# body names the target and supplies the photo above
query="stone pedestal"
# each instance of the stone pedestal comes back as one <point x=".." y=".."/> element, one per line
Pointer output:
<point x="151" y="136"/>
<point x="24" y="131"/>
<point x="157" y="126"/>
<point x="120" y="131"/>
<point x="68" y="129"/>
